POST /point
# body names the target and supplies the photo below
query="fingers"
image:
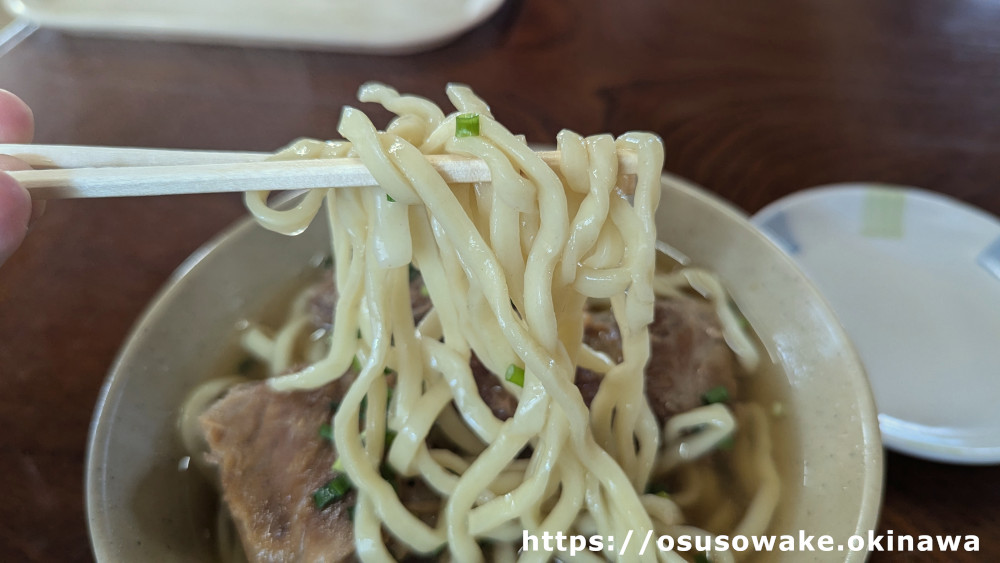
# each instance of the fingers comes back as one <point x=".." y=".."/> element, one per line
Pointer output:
<point x="15" y="212"/>
<point x="17" y="123"/>
<point x="9" y="163"/>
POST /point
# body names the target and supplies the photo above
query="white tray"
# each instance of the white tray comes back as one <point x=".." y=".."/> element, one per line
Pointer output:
<point x="368" y="26"/>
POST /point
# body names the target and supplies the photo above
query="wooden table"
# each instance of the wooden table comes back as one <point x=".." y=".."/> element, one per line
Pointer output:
<point x="753" y="99"/>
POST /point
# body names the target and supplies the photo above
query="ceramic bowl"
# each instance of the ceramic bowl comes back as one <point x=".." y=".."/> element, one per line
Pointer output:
<point x="143" y="505"/>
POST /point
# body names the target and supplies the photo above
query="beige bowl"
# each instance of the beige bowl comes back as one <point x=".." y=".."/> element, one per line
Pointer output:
<point x="142" y="505"/>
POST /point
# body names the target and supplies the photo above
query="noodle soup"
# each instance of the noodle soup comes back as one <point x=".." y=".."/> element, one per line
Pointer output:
<point x="527" y="396"/>
<point x="719" y="491"/>
<point x="499" y="358"/>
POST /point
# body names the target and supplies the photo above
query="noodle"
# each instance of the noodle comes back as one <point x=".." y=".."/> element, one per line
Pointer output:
<point x="509" y="266"/>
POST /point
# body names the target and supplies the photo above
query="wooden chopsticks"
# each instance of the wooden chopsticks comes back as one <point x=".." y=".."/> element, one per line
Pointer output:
<point x="79" y="172"/>
<point x="73" y="156"/>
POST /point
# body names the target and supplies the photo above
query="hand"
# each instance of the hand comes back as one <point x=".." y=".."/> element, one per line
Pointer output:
<point x="17" y="125"/>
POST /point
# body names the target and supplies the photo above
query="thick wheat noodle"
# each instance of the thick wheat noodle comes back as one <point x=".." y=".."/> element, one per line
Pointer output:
<point x="509" y="267"/>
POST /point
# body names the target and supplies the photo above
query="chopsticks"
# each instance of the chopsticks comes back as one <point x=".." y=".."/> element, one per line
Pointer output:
<point x="77" y="156"/>
<point x="83" y="172"/>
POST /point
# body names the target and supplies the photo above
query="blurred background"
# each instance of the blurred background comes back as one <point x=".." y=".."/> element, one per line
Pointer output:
<point x="754" y="101"/>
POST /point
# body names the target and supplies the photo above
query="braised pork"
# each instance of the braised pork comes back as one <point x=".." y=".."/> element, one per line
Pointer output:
<point x="271" y="459"/>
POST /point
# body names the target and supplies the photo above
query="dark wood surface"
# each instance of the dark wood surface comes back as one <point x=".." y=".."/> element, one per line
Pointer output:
<point x="753" y="99"/>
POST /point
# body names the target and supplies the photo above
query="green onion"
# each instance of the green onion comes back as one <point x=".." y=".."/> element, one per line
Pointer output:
<point x="326" y="431"/>
<point x="424" y="292"/>
<point x="334" y="490"/>
<point x="338" y="466"/>
<point x="701" y="558"/>
<point x="323" y="497"/>
<point x="387" y="371"/>
<point x="390" y="437"/>
<point x="467" y="125"/>
<point x="389" y="197"/>
<point x="356" y="364"/>
<point x="715" y="395"/>
<point x="515" y="375"/>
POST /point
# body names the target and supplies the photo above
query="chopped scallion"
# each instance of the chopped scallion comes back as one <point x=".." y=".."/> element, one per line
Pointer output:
<point x="340" y="484"/>
<point x="701" y="558"/>
<point x="715" y="395"/>
<point x="515" y="375"/>
<point x="326" y="431"/>
<point x="467" y="125"/>
<point x="322" y="498"/>
<point x="424" y="292"/>
<point x="335" y="489"/>
<point x="356" y="364"/>
<point x="389" y="197"/>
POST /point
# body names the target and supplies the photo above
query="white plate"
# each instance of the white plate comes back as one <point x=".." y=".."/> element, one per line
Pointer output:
<point x="915" y="278"/>
<point x="370" y="26"/>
